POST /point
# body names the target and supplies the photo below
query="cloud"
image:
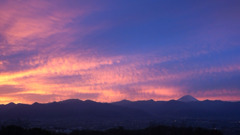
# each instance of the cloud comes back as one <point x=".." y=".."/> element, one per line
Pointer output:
<point x="55" y="50"/>
<point x="31" y="98"/>
<point x="85" y="95"/>
<point x="40" y="25"/>
<point x="9" y="89"/>
<point x="109" y="79"/>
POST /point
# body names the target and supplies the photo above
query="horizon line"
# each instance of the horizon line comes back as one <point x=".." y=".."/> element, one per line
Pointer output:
<point x="113" y="101"/>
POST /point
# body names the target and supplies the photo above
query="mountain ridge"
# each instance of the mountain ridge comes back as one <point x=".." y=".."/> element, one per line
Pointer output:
<point x="78" y="111"/>
<point x="124" y="100"/>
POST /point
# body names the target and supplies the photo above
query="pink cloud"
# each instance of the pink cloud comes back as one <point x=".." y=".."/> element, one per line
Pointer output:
<point x="28" y="25"/>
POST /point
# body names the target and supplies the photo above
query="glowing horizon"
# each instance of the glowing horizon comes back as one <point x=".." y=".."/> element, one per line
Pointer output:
<point x="109" y="51"/>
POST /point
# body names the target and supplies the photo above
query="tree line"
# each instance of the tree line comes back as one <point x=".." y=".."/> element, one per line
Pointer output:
<point x="156" y="130"/>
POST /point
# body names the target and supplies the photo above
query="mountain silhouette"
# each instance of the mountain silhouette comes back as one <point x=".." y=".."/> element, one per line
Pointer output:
<point x="77" y="111"/>
<point x="187" y="98"/>
<point x="73" y="108"/>
<point x="179" y="109"/>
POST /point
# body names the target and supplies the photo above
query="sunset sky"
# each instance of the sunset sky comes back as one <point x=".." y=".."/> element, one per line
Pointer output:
<point x="110" y="50"/>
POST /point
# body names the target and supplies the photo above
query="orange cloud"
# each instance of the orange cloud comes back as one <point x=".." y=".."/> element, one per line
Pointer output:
<point x="96" y="76"/>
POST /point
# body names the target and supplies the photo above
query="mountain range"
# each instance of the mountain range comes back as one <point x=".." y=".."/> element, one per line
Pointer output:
<point x="78" y="110"/>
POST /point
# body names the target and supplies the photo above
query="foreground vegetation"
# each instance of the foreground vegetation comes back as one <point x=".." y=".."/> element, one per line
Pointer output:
<point x="158" y="130"/>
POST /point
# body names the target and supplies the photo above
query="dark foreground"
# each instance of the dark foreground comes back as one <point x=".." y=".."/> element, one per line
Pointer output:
<point x="158" y="130"/>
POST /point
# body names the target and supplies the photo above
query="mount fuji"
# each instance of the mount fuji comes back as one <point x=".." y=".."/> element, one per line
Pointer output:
<point x="187" y="98"/>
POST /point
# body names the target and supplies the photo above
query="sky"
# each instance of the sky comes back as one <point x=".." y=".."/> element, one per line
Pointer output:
<point x="107" y="51"/>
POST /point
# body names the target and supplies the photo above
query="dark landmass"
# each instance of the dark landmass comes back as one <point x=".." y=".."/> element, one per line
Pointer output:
<point x="158" y="130"/>
<point x="71" y="109"/>
<point x="123" y="110"/>
<point x="77" y="114"/>
<point x="214" y="110"/>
